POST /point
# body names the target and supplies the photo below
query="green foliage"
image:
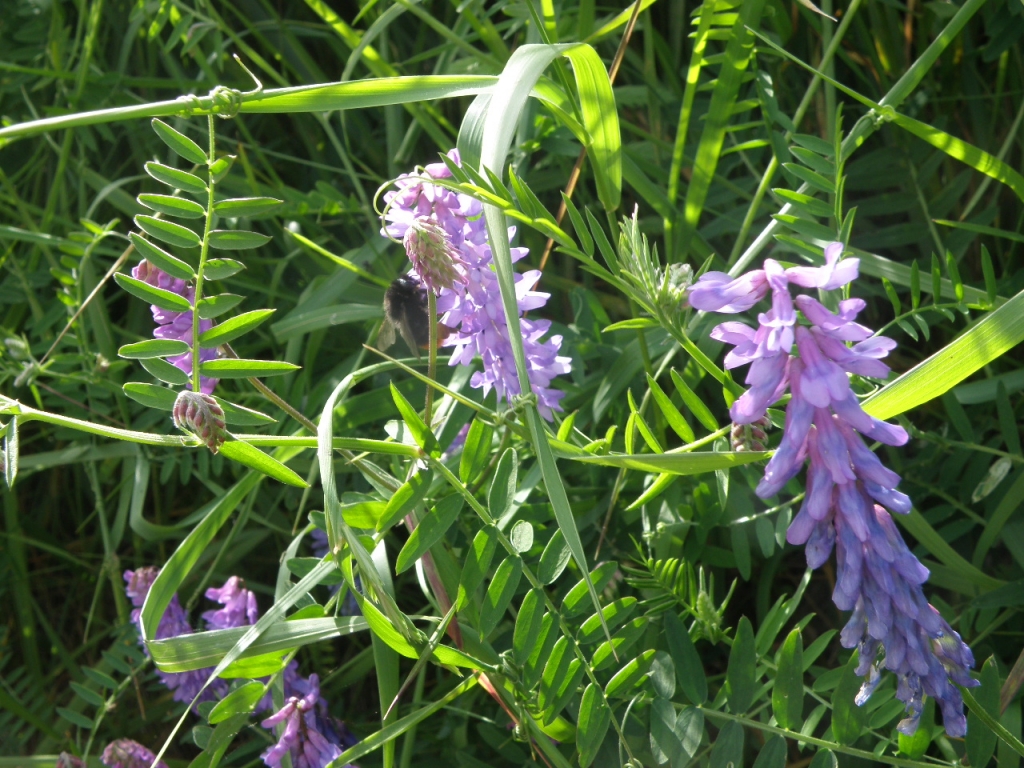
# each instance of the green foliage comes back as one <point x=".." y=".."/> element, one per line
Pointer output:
<point x="606" y="583"/>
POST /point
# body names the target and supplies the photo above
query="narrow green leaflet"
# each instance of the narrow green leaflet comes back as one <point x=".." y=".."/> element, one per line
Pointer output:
<point x="181" y="144"/>
<point x="236" y="239"/>
<point x="151" y="395"/>
<point x="141" y="350"/>
<point x="430" y="530"/>
<point x="404" y="500"/>
<point x="168" y="231"/>
<point x="848" y="720"/>
<point x="243" y="699"/>
<point x="215" y="306"/>
<point x="219" y="269"/>
<point x="528" y="623"/>
<point x="592" y="724"/>
<point x="499" y="594"/>
<point x="242" y="207"/>
<point x="231" y="329"/>
<point x="740" y="681"/>
<point x="153" y="295"/>
<point x="173" y="206"/>
<point x="172" y="265"/>
<point x="478" y="561"/>
<point x="626" y="679"/>
<point x="234" y="368"/>
<point x="172" y="177"/>
<point x="254" y="458"/>
<point x="503" y="486"/>
<point x="688" y="666"/>
<point x="728" y="749"/>
<point x="788" y="691"/>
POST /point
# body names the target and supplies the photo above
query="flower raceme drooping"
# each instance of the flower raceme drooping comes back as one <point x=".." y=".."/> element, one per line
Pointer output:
<point x="446" y="239"/>
<point x="849" y="492"/>
<point x="176" y="325"/>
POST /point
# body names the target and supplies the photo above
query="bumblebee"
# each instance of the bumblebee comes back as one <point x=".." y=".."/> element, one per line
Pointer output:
<point x="406" y="311"/>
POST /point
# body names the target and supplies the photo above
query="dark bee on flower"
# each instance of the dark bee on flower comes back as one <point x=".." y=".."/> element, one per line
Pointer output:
<point x="405" y="311"/>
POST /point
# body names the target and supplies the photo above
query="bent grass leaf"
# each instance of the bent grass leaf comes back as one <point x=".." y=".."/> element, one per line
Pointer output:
<point x="153" y="295"/>
<point x="176" y="179"/>
<point x="991" y="337"/>
<point x="231" y="329"/>
<point x="694" y="463"/>
<point x="160" y="258"/>
<point x="179" y="143"/>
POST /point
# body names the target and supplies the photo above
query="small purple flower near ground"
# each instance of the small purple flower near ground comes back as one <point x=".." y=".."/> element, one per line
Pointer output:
<point x="239" y="606"/>
<point x="174" y="623"/>
<point x="176" y="325"/>
<point x="125" y="753"/>
<point x="849" y="492"/>
<point x="301" y="737"/>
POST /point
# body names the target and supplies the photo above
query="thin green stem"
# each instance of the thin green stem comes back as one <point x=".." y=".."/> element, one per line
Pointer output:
<point x="204" y="250"/>
<point x="428" y="406"/>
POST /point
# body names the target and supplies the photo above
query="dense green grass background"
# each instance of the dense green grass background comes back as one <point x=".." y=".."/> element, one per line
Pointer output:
<point x="81" y="510"/>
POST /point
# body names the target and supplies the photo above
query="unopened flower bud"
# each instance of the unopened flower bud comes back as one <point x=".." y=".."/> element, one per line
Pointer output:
<point x="431" y="252"/>
<point x="200" y="414"/>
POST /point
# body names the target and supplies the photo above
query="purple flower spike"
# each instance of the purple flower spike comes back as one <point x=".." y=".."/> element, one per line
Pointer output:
<point x="300" y="739"/>
<point x="177" y="325"/>
<point x="447" y="243"/>
<point x="877" y="577"/>
<point x="239" y="603"/>
<point x="174" y="623"/>
<point x="125" y="753"/>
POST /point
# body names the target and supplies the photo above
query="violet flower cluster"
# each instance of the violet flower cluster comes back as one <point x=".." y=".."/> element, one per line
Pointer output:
<point x="446" y="239"/>
<point x="125" y="753"/>
<point x="176" y="325"/>
<point x="239" y="609"/>
<point x="849" y="491"/>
